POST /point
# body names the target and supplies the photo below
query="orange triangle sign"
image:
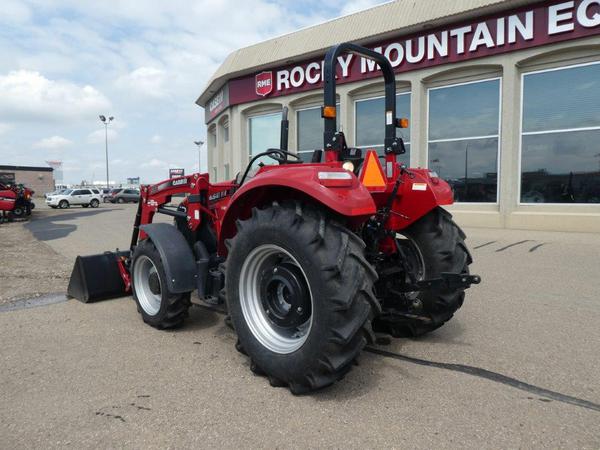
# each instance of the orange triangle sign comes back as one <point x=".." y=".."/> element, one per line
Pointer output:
<point x="372" y="175"/>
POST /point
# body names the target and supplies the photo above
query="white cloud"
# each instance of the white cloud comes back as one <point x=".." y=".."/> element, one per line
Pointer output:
<point x="98" y="136"/>
<point x="156" y="139"/>
<point x="66" y="61"/>
<point x="156" y="163"/>
<point x="29" y="96"/>
<point x="145" y="81"/>
<point x="14" y="11"/>
<point x="53" y="143"/>
<point x="4" y="128"/>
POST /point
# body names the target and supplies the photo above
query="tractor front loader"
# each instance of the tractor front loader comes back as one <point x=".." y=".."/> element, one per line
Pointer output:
<point x="310" y="259"/>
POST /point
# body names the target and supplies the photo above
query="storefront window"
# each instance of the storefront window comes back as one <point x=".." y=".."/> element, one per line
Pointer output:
<point x="226" y="131"/>
<point x="310" y="131"/>
<point x="212" y="136"/>
<point x="560" y="142"/>
<point x="264" y="133"/>
<point x="370" y="123"/>
<point x="464" y="137"/>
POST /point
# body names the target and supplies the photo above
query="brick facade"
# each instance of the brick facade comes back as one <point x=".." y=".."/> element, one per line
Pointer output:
<point x="39" y="179"/>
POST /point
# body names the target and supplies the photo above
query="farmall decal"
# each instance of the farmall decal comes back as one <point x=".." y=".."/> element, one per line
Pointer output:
<point x="264" y="83"/>
<point x="527" y="27"/>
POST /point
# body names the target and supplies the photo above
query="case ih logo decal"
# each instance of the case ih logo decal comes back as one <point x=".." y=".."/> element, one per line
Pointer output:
<point x="219" y="195"/>
<point x="264" y="83"/>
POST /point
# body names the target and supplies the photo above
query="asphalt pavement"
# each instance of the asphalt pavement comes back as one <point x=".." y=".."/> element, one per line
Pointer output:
<point x="516" y="368"/>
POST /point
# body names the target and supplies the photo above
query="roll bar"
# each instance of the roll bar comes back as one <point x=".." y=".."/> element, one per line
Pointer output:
<point x="392" y="144"/>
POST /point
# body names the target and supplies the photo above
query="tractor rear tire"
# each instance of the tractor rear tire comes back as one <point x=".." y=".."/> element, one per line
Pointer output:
<point x="18" y="212"/>
<point x="159" y="308"/>
<point x="300" y="295"/>
<point x="441" y="244"/>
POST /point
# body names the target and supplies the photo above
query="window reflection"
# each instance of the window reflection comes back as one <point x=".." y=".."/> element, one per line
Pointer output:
<point x="370" y="124"/>
<point x="466" y="110"/>
<point x="264" y="133"/>
<point x="469" y="166"/>
<point x="560" y="152"/>
<point x="310" y="131"/>
<point x="561" y="168"/>
<point x="562" y="99"/>
<point x="464" y="138"/>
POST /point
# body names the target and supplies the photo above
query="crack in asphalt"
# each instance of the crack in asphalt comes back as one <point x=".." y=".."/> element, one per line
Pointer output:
<point x="483" y="245"/>
<point x="535" y="247"/>
<point x="512" y="245"/>
<point x="492" y="376"/>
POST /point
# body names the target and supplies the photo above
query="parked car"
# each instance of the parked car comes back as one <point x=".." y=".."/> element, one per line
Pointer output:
<point x="105" y="193"/>
<point x="55" y="192"/>
<point x="84" y="197"/>
<point x="124" y="196"/>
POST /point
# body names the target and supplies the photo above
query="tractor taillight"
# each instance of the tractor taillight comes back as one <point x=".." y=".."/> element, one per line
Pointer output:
<point x="328" y="112"/>
<point x="402" y="123"/>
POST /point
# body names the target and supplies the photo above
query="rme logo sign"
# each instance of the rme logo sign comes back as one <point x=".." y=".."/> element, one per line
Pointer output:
<point x="264" y="83"/>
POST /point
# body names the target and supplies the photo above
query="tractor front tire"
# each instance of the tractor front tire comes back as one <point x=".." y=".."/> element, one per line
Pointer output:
<point x="300" y="295"/>
<point x="159" y="308"/>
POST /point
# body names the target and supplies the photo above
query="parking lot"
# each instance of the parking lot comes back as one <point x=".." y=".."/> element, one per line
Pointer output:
<point x="517" y="367"/>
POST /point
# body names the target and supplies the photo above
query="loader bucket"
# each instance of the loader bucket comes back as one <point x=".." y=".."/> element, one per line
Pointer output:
<point x="97" y="277"/>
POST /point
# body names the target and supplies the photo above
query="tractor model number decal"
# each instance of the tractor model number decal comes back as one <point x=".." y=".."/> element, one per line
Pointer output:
<point x="217" y="196"/>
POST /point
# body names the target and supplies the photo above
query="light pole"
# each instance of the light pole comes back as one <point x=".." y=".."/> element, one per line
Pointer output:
<point x="106" y="122"/>
<point x="199" y="144"/>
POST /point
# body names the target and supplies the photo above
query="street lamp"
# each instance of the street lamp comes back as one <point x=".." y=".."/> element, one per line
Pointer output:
<point x="199" y="144"/>
<point x="106" y="122"/>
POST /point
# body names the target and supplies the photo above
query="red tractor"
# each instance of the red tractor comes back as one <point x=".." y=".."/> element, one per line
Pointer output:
<point x="15" y="202"/>
<point x="310" y="258"/>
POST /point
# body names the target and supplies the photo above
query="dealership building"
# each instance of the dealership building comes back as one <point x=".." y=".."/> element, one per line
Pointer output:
<point x="503" y="99"/>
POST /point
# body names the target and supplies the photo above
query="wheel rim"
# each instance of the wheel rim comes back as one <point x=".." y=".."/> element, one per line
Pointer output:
<point x="415" y="262"/>
<point x="276" y="299"/>
<point x="146" y="282"/>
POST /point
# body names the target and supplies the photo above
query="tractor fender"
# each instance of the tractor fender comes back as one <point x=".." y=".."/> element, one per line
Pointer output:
<point x="280" y="183"/>
<point x="418" y="196"/>
<point x="176" y="255"/>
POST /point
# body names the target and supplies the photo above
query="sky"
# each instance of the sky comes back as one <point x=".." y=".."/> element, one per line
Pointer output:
<point x="63" y="63"/>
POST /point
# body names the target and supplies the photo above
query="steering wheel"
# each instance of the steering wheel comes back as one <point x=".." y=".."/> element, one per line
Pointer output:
<point x="281" y="155"/>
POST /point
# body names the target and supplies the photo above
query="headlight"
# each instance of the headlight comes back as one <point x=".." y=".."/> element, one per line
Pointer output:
<point x="349" y="166"/>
